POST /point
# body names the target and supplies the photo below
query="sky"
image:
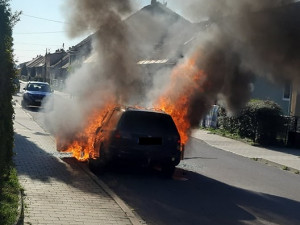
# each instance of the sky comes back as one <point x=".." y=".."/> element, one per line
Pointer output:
<point x="42" y="27"/>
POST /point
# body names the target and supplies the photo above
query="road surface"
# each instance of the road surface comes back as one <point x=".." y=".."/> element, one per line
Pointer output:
<point x="210" y="186"/>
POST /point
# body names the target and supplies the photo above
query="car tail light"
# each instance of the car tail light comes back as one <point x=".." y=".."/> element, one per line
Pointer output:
<point x="121" y="134"/>
<point x="117" y="134"/>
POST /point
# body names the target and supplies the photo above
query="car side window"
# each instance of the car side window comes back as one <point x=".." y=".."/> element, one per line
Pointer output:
<point x="113" y="120"/>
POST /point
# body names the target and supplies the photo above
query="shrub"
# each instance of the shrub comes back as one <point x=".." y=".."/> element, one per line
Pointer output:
<point x="259" y="120"/>
<point x="7" y="73"/>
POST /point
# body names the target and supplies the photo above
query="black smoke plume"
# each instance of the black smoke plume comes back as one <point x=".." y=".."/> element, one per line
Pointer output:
<point x="244" y="39"/>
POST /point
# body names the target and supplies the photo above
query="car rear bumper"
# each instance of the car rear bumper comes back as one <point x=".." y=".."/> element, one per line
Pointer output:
<point x="33" y="101"/>
<point x="151" y="156"/>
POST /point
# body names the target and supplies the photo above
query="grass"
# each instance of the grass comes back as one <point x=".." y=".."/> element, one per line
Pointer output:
<point x="285" y="168"/>
<point x="9" y="196"/>
<point x="234" y="136"/>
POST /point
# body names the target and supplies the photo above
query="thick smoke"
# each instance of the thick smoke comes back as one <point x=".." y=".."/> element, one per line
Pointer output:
<point x="110" y="75"/>
<point x="114" y="56"/>
<point x="245" y="39"/>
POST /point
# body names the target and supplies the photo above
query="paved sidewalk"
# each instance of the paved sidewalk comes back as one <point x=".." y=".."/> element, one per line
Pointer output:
<point x="57" y="190"/>
<point x="283" y="156"/>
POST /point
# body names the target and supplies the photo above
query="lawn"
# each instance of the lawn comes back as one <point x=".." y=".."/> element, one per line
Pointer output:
<point x="9" y="196"/>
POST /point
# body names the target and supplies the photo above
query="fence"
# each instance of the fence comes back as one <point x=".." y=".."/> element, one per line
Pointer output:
<point x="293" y="131"/>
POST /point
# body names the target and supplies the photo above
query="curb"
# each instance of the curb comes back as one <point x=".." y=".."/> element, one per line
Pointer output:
<point x="277" y="165"/>
<point x="20" y="216"/>
<point x="260" y="160"/>
<point x="134" y="219"/>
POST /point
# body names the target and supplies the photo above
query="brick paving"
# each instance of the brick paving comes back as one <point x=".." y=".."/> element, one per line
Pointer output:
<point x="57" y="190"/>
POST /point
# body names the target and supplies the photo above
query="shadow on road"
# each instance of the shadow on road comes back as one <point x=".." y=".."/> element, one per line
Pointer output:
<point x="190" y="198"/>
<point x="44" y="165"/>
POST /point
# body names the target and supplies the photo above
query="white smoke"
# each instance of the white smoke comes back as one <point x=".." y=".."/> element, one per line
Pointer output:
<point x="244" y="38"/>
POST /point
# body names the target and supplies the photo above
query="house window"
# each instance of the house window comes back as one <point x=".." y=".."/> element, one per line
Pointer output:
<point x="287" y="91"/>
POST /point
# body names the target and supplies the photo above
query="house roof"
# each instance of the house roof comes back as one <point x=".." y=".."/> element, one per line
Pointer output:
<point x="154" y="32"/>
<point x="158" y="32"/>
<point x="63" y="63"/>
<point x="36" y="62"/>
<point x="82" y="47"/>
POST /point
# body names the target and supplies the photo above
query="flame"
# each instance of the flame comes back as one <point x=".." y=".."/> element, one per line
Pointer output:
<point x="186" y="79"/>
<point x="82" y="144"/>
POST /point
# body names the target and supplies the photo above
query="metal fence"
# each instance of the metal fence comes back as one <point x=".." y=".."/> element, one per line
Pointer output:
<point x="291" y="133"/>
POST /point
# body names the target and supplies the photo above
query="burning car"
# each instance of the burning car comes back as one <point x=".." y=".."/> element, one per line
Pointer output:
<point x="34" y="93"/>
<point x="137" y="136"/>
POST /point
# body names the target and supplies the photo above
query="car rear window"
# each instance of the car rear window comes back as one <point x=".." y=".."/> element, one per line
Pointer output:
<point x="38" y="87"/>
<point x="146" y="122"/>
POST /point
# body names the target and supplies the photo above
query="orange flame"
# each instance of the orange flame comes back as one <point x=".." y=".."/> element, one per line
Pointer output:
<point x="82" y="144"/>
<point x="186" y="79"/>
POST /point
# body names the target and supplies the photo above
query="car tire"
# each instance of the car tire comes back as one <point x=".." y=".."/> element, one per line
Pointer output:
<point x="94" y="165"/>
<point x="168" y="170"/>
<point x="98" y="165"/>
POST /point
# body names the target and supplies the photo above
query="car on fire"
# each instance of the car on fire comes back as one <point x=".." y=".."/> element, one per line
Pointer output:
<point x="34" y="93"/>
<point x="137" y="136"/>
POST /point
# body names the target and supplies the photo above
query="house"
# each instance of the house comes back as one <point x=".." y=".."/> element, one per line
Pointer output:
<point x="169" y="40"/>
<point x="35" y="68"/>
<point x="39" y="68"/>
<point x="265" y="89"/>
<point x="285" y="93"/>
<point x="52" y="59"/>
<point x="54" y="67"/>
<point x="295" y="102"/>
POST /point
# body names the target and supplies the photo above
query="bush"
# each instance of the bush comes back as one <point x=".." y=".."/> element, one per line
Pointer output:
<point x="7" y="73"/>
<point x="260" y="120"/>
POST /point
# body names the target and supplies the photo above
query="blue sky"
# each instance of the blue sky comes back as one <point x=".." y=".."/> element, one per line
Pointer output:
<point x="31" y="35"/>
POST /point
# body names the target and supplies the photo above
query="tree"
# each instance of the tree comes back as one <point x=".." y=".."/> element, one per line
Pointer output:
<point x="7" y="73"/>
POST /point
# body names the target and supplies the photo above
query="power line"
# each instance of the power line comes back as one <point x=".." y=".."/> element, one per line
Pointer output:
<point x="41" y="18"/>
<point x="28" y="50"/>
<point x="46" y="32"/>
<point x="27" y="43"/>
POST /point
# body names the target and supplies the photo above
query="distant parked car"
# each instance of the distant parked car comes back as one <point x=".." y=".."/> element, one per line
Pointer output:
<point x="34" y="93"/>
<point x="137" y="136"/>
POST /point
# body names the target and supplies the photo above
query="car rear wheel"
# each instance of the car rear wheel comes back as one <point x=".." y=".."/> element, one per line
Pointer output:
<point x="168" y="170"/>
<point x="99" y="164"/>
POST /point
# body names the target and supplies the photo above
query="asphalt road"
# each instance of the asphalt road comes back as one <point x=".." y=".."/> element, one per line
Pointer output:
<point x="210" y="186"/>
<point x="223" y="189"/>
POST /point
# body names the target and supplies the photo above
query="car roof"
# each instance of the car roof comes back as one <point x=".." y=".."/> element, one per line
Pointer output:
<point x="140" y="109"/>
<point x="37" y="82"/>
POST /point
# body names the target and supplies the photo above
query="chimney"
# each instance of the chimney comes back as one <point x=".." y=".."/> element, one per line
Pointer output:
<point x="153" y="2"/>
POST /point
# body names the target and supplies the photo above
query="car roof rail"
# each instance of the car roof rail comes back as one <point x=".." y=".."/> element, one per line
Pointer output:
<point x="157" y="109"/>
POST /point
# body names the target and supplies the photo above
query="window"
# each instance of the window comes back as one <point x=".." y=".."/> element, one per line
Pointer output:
<point x="287" y="91"/>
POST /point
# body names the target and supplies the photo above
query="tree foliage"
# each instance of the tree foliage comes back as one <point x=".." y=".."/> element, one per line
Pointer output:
<point x="7" y="73"/>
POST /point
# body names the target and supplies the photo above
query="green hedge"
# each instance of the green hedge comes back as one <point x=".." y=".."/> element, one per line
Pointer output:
<point x="260" y="120"/>
<point x="7" y="73"/>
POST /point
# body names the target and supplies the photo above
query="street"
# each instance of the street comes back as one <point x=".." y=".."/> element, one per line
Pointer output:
<point x="210" y="186"/>
<point x="224" y="189"/>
